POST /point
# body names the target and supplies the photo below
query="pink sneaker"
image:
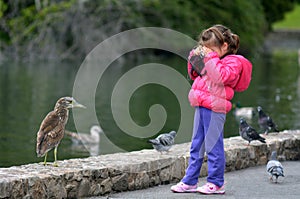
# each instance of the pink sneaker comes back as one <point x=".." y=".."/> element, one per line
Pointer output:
<point x="210" y="188"/>
<point x="184" y="188"/>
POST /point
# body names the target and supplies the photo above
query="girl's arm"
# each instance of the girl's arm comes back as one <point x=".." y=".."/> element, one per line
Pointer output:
<point x="225" y="71"/>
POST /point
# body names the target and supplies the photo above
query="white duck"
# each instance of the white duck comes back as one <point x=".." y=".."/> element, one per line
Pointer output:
<point x="84" y="138"/>
<point x="243" y="112"/>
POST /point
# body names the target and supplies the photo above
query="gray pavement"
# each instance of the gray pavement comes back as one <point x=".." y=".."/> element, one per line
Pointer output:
<point x="248" y="183"/>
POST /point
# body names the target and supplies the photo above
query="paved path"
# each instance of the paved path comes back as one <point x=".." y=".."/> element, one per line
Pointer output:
<point x="250" y="183"/>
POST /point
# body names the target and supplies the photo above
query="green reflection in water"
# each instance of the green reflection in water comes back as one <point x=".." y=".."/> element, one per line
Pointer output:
<point x="29" y="92"/>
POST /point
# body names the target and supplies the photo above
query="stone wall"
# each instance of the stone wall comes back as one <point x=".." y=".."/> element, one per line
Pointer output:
<point x="274" y="40"/>
<point x="135" y="170"/>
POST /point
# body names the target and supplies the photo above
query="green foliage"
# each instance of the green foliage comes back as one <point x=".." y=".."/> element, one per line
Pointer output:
<point x="40" y="25"/>
<point x="204" y="13"/>
<point x="290" y="21"/>
<point x="245" y="18"/>
<point x="191" y="17"/>
<point x="3" y="8"/>
<point x="3" y="34"/>
<point x="274" y="9"/>
<point x="26" y="26"/>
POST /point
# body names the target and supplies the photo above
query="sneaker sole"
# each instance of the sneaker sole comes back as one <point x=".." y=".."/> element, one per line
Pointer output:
<point x="211" y="193"/>
<point x="185" y="191"/>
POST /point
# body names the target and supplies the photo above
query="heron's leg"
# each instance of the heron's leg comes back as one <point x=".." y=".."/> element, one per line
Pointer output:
<point x="55" y="153"/>
<point x="45" y="160"/>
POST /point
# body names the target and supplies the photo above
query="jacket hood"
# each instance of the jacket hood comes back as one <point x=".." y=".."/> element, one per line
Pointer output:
<point x="246" y="74"/>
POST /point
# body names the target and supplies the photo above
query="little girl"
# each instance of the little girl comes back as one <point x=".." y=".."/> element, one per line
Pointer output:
<point x="223" y="72"/>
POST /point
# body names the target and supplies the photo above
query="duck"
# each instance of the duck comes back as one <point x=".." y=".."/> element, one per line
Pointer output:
<point x="243" y="112"/>
<point x="84" y="138"/>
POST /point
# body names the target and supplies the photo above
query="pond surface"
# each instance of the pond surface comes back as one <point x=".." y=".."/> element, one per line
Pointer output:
<point x="29" y="92"/>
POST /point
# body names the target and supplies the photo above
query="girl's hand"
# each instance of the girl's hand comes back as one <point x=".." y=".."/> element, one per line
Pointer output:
<point x="198" y="50"/>
<point x="202" y="49"/>
<point x="206" y="50"/>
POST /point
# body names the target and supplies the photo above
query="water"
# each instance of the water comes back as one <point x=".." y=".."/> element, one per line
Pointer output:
<point x="29" y="92"/>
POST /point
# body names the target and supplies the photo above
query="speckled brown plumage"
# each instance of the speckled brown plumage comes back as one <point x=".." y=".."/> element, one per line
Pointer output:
<point x="53" y="127"/>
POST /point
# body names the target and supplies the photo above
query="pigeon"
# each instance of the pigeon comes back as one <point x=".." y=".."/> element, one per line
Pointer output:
<point x="84" y="138"/>
<point x="265" y="122"/>
<point x="163" y="142"/>
<point x="274" y="167"/>
<point x="249" y="133"/>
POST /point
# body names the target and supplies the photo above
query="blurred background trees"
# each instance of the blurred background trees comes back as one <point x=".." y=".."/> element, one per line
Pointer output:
<point x="69" y="29"/>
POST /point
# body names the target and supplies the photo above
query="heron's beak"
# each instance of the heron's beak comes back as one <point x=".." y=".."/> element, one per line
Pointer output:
<point x="76" y="104"/>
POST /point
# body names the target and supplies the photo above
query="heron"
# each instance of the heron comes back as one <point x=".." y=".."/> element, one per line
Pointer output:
<point x="52" y="128"/>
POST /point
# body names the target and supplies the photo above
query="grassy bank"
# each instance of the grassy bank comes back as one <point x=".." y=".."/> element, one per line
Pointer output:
<point x="290" y="21"/>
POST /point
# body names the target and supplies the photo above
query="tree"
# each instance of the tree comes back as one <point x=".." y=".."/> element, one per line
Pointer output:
<point x="275" y="9"/>
<point x="66" y="28"/>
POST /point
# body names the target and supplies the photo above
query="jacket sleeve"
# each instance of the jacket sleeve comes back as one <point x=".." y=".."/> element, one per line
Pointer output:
<point x="226" y="71"/>
<point x="192" y="74"/>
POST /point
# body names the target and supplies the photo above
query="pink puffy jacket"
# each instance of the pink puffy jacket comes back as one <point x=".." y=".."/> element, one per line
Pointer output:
<point x="221" y="78"/>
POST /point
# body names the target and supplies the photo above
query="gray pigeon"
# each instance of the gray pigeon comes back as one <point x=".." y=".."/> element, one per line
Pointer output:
<point x="163" y="142"/>
<point x="265" y="122"/>
<point x="274" y="167"/>
<point x="249" y="133"/>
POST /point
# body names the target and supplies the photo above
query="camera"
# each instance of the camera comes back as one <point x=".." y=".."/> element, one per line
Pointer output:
<point x="196" y="60"/>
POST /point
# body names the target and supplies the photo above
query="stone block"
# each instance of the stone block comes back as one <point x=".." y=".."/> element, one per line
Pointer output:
<point x="106" y="186"/>
<point x="120" y="182"/>
<point x="177" y="169"/>
<point x="164" y="175"/>
<point x="95" y="190"/>
<point x="84" y="188"/>
<point x="142" y="181"/>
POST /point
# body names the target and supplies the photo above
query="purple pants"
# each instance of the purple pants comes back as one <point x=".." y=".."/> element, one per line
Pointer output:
<point x="207" y="137"/>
